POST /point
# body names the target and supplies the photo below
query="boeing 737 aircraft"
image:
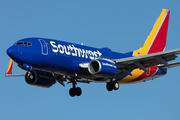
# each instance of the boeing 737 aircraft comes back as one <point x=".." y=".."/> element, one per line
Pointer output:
<point x="48" y="61"/>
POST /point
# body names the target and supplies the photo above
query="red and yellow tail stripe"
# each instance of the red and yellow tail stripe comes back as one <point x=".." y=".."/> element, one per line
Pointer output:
<point x="9" y="70"/>
<point x="155" y="42"/>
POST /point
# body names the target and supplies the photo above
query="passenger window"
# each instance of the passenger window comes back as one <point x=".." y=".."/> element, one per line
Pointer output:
<point x="28" y="44"/>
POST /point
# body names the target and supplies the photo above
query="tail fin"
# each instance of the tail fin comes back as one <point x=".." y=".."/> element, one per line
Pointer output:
<point x="156" y="41"/>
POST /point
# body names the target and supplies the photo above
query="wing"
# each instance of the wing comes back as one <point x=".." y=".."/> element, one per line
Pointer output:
<point x="126" y="65"/>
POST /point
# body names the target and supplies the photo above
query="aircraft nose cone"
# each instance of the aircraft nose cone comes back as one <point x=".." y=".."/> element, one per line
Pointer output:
<point x="9" y="51"/>
<point x="13" y="52"/>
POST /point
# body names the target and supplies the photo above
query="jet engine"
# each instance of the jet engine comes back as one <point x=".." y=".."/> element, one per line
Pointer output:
<point x="102" y="68"/>
<point x="39" y="78"/>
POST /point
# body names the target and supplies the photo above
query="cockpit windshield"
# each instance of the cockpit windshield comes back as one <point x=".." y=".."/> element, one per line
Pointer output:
<point x="23" y="43"/>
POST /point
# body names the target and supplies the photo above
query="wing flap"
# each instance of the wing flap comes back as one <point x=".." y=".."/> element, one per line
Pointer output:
<point x="170" y="65"/>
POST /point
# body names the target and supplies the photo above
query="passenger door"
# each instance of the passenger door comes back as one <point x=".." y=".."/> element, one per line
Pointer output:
<point x="44" y="47"/>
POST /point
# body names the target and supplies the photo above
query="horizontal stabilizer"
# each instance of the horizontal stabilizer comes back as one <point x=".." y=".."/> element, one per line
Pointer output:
<point x="170" y="65"/>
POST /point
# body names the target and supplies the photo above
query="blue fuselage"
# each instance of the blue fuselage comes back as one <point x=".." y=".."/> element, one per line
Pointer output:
<point x="58" y="56"/>
<point x="63" y="58"/>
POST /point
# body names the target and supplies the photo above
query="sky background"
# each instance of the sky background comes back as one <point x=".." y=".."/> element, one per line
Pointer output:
<point x="120" y="25"/>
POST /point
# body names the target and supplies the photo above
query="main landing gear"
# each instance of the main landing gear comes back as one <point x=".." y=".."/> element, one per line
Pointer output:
<point x="112" y="86"/>
<point x="75" y="90"/>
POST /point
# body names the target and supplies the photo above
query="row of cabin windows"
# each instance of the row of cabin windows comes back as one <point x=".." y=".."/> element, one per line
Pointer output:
<point x="101" y="57"/>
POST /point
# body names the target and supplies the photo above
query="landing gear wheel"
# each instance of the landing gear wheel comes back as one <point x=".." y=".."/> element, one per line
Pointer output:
<point x="115" y="86"/>
<point x="78" y="91"/>
<point x="72" y="92"/>
<point x="109" y="86"/>
<point x="112" y="86"/>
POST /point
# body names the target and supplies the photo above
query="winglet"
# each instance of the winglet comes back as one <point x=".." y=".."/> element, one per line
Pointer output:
<point x="156" y="41"/>
<point x="9" y="70"/>
<point x="10" y="66"/>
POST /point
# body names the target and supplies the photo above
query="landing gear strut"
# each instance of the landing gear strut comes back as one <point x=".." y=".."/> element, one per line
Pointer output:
<point x="75" y="90"/>
<point x="112" y="85"/>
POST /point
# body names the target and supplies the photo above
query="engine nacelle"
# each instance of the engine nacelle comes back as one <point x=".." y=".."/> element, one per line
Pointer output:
<point x="39" y="78"/>
<point x="102" y="68"/>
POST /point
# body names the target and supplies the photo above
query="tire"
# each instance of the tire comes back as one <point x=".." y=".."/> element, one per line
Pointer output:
<point x="78" y="91"/>
<point x="109" y="87"/>
<point x="72" y="92"/>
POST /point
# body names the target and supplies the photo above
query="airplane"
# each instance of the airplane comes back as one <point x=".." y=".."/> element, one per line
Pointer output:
<point x="48" y="61"/>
